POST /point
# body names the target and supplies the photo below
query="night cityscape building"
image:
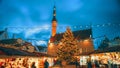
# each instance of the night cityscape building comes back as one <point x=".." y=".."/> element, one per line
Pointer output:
<point x="20" y="53"/>
<point x="83" y="36"/>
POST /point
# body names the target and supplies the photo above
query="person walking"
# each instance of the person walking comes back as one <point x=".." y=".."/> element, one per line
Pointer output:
<point x="77" y="64"/>
<point x="89" y="64"/>
<point x="33" y="65"/>
<point x="96" y="64"/>
<point x="46" y="64"/>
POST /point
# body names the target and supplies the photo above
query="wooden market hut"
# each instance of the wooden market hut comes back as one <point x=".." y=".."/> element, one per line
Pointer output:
<point x="110" y="55"/>
<point x="23" y="59"/>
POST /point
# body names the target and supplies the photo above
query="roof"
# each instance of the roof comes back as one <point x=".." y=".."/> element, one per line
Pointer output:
<point x="11" y="52"/>
<point x="38" y="54"/>
<point x="1" y="32"/>
<point x="8" y="41"/>
<point x="80" y="34"/>
<point x="112" y="49"/>
<point x="84" y="54"/>
<point x="41" y="47"/>
<point x="15" y="52"/>
<point x="106" y="50"/>
<point x="96" y="52"/>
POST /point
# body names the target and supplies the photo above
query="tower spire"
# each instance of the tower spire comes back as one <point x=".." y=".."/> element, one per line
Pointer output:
<point x="54" y="12"/>
<point x="54" y="21"/>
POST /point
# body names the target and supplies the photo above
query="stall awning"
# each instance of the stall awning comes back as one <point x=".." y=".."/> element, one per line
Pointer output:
<point x="112" y="49"/>
<point x="14" y="52"/>
<point x="109" y="49"/>
<point x="11" y="52"/>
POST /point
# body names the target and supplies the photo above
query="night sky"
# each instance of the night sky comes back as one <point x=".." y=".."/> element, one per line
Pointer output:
<point x="33" y="17"/>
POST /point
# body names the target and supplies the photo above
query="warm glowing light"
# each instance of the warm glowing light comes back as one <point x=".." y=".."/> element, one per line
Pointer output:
<point x="51" y="45"/>
<point x="60" y="43"/>
<point x="86" y="40"/>
<point x="54" y="14"/>
<point x="44" y="58"/>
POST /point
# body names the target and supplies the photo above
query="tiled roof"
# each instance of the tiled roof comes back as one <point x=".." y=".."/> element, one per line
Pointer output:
<point x="81" y="34"/>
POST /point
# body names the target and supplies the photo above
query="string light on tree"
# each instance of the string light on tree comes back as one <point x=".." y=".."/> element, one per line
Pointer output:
<point x="67" y="47"/>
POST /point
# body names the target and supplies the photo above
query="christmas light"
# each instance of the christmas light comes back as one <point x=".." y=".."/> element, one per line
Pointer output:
<point x="80" y="26"/>
<point x="59" y="27"/>
<point x="51" y="45"/>
<point x="103" y="25"/>
<point x="98" y="25"/>
<point x="86" y="40"/>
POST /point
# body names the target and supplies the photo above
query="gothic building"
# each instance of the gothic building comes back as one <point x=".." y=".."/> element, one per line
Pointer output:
<point x="84" y="37"/>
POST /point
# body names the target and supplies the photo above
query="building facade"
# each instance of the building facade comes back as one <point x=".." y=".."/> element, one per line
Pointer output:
<point x="84" y="37"/>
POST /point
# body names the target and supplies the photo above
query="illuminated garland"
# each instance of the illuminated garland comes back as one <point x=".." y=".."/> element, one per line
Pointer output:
<point x="64" y="27"/>
<point x="22" y="28"/>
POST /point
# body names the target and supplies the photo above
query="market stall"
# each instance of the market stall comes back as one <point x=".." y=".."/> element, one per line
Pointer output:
<point x="109" y="57"/>
<point x="12" y="58"/>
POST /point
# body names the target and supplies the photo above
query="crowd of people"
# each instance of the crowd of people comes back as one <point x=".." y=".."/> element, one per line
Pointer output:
<point x="94" y="64"/>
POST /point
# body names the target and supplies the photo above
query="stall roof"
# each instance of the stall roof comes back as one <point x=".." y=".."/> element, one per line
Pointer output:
<point x="106" y="50"/>
<point x="11" y="52"/>
<point x="38" y="54"/>
<point x="112" y="49"/>
<point x="84" y="54"/>
<point x="96" y="51"/>
<point x="15" y="52"/>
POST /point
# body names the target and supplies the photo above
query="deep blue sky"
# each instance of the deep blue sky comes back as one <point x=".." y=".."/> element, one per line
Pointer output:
<point x="37" y="14"/>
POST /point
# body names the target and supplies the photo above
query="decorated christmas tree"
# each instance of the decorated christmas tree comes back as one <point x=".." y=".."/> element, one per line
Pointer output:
<point x="67" y="47"/>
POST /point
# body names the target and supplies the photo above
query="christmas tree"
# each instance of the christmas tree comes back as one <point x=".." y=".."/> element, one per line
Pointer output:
<point x="67" y="47"/>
